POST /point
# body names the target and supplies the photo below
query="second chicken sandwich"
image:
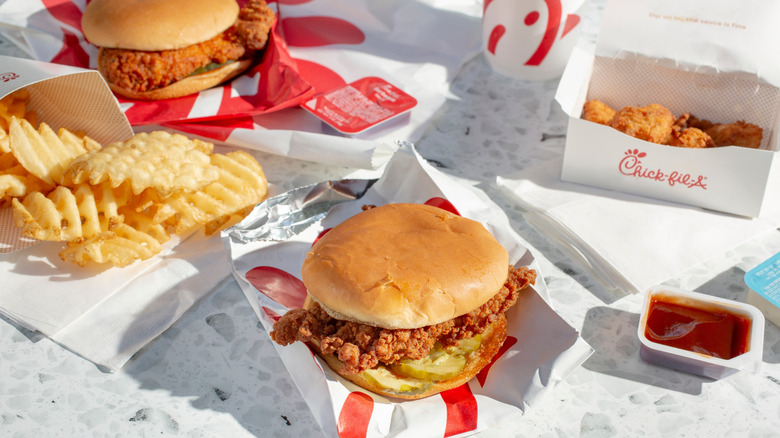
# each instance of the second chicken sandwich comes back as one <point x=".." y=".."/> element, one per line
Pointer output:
<point x="161" y="49"/>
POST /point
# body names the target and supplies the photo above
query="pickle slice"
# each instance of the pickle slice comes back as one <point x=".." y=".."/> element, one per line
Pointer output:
<point x="408" y="376"/>
<point x="466" y="346"/>
<point x="441" y="367"/>
<point x="389" y="381"/>
<point x="441" y="363"/>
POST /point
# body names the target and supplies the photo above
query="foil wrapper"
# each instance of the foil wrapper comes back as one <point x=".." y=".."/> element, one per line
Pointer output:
<point x="286" y="215"/>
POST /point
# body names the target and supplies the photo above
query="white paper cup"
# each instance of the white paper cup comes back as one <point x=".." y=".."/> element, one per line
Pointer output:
<point x="530" y="39"/>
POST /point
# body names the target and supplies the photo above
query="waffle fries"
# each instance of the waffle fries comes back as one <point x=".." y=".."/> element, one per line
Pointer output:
<point x="241" y="184"/>
<point x="70" y="213"/>
<point x="120" y="247"/>
<point x="121" y="203"/>
<point x="167" y="163"/>
<point x="43" y="152"/>
<point x="14" y="105"/>
<point x="15" y="179"/>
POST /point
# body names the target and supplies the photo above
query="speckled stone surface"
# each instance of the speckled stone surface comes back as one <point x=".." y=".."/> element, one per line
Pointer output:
<point x="215" y="372"/>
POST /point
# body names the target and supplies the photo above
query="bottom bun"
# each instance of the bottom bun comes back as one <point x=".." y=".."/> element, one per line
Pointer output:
<point x="188" y="85"/>
<point x="492" y="339"/>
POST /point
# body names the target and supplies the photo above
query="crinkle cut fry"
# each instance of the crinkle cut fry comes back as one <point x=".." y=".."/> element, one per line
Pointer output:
<point x="16" y="182"/>
<point x="168" y="163"/>
<point x="241" y="184"/>
<point x="70" y="213"/>
<point x="120" y="247"/>
<point x="43" y="152"/>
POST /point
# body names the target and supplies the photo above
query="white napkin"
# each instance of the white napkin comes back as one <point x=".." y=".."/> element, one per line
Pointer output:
<point x="628" y="242"/>
<point x="107" y="314"/>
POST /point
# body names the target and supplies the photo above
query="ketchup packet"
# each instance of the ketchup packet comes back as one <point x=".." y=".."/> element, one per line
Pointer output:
<point x="360" y="105"/>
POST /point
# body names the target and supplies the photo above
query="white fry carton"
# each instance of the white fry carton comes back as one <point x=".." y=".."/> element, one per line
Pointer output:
<point x="62" y="97"/>
<point x="708" y="59"/>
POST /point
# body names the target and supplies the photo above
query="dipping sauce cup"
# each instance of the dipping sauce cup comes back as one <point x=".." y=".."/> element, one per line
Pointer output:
<point x="700" y="334"/>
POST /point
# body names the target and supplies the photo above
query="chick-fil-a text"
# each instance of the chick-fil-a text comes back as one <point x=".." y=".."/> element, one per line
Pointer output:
<point x="631" y="165"/>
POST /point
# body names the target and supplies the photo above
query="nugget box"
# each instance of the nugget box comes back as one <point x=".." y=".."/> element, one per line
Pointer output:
<point x="703" y="58"/>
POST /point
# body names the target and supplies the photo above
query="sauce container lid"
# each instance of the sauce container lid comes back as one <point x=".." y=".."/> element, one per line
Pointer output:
<point x="764" y="284"/>
<point x="698" y="363"/>
<point x="360" y="105"/>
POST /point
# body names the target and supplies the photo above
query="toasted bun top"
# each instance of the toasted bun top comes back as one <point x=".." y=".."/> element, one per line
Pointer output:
<point x="404" y="266"/>
<point x="155" y="24"/>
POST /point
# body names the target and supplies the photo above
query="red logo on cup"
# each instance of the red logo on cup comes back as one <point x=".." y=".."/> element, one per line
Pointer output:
<point x="554" y="13"/>
<point x="8" y="76"/>
<point x="631" y="165"/>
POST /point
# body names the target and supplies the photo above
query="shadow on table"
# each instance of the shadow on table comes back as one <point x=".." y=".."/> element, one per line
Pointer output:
<point x="612" y="334"/>
<point x="218" y="358"/>
<point x="31" y="335"/>
<point x="731" y="285"/>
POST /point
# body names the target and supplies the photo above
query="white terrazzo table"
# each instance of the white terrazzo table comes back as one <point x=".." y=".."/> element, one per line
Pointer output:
<point x="215" y="372"/>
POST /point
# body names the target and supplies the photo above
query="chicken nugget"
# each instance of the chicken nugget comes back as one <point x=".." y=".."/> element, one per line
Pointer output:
<point x="681" y="123"/>
<point x="598" y="112"/>
<point x="651" y="123"/>
<point x="695" y="122"/>
<point x="690" y="138"/>
<point x="736" y="134"/>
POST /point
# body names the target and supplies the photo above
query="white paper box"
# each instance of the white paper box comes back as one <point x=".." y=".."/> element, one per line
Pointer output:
<point x="694" y="76"/>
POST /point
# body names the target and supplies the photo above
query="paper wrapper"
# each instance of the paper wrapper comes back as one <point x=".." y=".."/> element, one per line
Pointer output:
<point x="315" y="47"/>
<point x="106" y="315"/>
<point x="267" y="249"/>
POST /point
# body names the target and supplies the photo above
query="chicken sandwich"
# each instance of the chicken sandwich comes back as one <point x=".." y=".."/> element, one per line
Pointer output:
<point x="405" y="300"/>
<point x="161" y="49"/>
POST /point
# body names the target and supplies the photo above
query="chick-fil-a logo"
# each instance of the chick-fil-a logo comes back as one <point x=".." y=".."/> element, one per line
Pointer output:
<point x="631" y="165"/>
<point x="8" y="76"/>
<point x="555" y="12"/>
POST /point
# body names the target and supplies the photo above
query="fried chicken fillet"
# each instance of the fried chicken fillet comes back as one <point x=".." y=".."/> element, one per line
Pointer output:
<point x="362" y="346"/>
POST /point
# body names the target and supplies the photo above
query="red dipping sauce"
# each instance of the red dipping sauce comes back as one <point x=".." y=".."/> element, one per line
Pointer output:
<point x="712" y="331"/>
